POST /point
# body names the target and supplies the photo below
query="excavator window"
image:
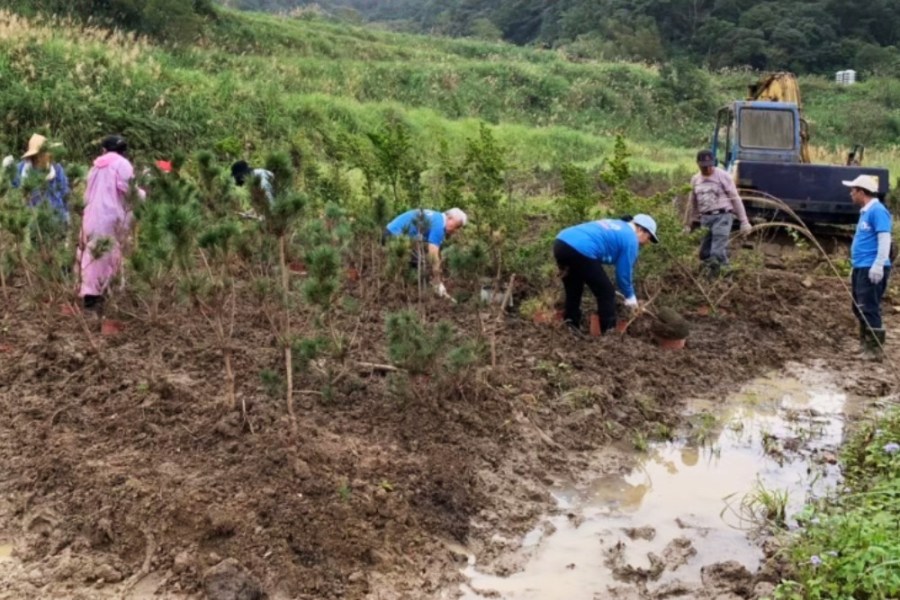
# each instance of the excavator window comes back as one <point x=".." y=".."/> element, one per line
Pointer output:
<point x="724" y="136"/>
<point x="767" y="128"/>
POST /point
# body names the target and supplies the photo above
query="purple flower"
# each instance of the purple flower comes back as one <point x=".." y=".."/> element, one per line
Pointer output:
<point x="815" y="560"/>
<point x="892" y="448"/>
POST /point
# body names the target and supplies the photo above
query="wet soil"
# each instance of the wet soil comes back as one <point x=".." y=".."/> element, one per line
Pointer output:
<point x="123" y="468"/>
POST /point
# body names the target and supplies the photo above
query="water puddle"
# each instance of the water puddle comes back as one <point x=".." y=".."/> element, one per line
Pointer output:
<point x="688" y="503"/>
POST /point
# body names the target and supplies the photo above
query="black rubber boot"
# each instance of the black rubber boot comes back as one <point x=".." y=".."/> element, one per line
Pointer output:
<point x="874" y="344"/>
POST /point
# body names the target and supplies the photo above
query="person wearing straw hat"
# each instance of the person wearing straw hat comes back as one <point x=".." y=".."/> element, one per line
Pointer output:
<point x="582" y="250"/>
<point x="430" y="227"/>
<point x="713" y="204"/>
<point x="870" y="261"/>
<point x="51" y="184"/>
<point x="107" y="220"/>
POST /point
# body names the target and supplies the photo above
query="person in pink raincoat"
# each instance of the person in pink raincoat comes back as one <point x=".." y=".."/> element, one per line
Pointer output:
<point x="106" y="222"/>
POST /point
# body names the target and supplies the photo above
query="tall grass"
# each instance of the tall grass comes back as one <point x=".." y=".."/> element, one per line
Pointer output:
<point x="259" y="81"/>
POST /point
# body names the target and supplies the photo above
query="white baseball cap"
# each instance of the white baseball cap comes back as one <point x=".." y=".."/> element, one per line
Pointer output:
<point x="866" y="182"/>
<point x="647" y="222"/>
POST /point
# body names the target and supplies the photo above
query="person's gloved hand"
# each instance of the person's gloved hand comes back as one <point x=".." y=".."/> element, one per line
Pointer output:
<point x="631" y="302"/>
<point x="441" y="290"/>
<point x="746" y="228"/>
<point x="876" y="274"/>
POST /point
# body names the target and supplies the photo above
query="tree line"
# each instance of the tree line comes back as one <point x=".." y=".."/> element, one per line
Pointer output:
<point x="806" y="36"/>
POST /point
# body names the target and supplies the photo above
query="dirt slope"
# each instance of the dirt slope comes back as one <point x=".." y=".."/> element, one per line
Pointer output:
<point x="128" y="462"/>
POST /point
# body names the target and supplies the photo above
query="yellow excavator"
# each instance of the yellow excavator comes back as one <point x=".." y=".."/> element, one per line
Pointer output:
<point x="763" y="142"/>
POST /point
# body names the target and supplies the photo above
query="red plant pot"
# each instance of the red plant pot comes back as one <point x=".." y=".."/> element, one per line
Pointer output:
<point x="542" y="317"/>
<point x="621" y="326"/>
<point x="69" y="310"/>
<point x="671" y="344"/>
<point x="297" y="267"/>
<point x="352" y="274"/>
<point x="111" y="327"/>
<point x="595" y="325"/>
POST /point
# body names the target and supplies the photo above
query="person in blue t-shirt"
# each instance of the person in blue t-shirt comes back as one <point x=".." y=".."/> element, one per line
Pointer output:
<point x="430" y="227"/>
<point x="582" y="250"/>
<point x="871" y="263"/>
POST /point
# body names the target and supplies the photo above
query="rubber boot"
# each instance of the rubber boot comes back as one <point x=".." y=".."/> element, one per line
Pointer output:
<point x="874" y="344"/>
<point x="863" y="337"/>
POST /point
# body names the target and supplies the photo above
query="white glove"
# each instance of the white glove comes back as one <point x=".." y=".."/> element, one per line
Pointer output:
<point x="7" y="161"/>
<point x="441" y="290"/>
<point x="746" y="228"/>
<point x="686" y="230"/>
<point x="876" y="274"/>
<point x="631" y="302"/>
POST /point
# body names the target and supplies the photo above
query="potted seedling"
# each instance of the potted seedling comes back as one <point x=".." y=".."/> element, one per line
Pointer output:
<point x="670" y="329"/>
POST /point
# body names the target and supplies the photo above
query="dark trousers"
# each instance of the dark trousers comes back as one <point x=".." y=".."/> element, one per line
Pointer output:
<point x="867" y="297"/>
<point x="578" y="270"/>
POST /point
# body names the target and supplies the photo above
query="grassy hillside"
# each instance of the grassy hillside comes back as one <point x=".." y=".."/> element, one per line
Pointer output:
<point x="258" y="82"/>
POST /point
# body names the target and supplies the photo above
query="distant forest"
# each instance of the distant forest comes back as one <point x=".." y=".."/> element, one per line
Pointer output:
<point x="806" y="36"/>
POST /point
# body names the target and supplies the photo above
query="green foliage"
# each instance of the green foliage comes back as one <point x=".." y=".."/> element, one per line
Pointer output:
<point x="418" y="348"/>
<point x="323" y="283"/>
<point x="817" y="35"/>
<point x="850" y="544"/>
<point x="166" y="20"/>
<point x="577" y="200"/>
<point x="468" y="261"/>
<point x="617" y="171"/>
<point x="486" y="166"/>
<point x="398" y="164"/>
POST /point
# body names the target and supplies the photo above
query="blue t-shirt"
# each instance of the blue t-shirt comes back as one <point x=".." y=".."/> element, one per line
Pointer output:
<point x="876" y="219"/>
<point x="610" y="241"/>
<point x="407" y="224"/>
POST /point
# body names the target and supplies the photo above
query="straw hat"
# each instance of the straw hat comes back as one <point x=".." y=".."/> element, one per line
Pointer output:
<point x="35" y="145"/>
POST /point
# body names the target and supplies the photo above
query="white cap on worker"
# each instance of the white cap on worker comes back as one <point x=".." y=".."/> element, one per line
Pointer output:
<point x="459" y="215"/>
<point x="647" y="222"/>
<point x="866" y="182"/>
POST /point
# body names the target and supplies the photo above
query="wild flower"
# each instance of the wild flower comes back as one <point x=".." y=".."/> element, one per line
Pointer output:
<point x="815" y="560"/>
<point x="892" y="448"/>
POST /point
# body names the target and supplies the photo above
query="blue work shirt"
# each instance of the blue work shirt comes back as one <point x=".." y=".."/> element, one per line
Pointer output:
<point x="612" y="242"/>
<point x="53" y="191"/>
<point x="406" y="224"/>
<point x="874" y="218"/>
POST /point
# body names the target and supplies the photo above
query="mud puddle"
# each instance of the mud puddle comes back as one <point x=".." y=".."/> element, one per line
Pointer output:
<point x="685" y="504"/>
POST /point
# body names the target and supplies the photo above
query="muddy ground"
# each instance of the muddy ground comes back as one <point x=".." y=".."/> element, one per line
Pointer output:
<point x="125" y="467"/>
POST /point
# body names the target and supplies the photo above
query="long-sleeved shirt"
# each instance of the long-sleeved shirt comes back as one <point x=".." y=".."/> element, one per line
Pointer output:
<point x="612" y="242"/>
<point x="716" y="192"/>
<point x="54" y="190"/>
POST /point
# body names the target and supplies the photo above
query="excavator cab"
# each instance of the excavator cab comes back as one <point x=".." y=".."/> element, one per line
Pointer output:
<point x="758" y="131"/>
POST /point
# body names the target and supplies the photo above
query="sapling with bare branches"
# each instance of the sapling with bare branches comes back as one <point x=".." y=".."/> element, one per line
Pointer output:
<point x="279" y="213"/>
<point x="214" y="293"/>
